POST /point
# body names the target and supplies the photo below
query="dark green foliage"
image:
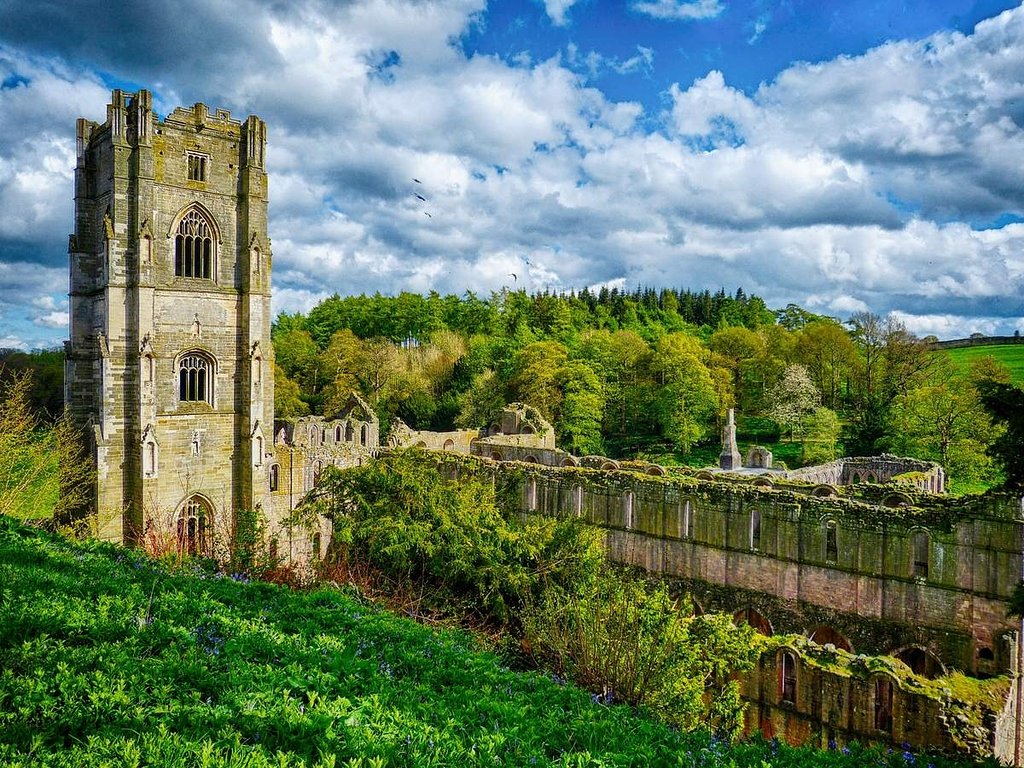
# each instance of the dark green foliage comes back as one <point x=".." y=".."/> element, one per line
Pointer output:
<point x="46" y="367"/>
<point x="108" y="659"/>
<point x="448" y="540"/>
<point x="1005" y="404"/>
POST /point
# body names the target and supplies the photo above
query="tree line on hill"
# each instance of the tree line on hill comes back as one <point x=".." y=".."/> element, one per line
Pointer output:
<point x="618" y="371"/>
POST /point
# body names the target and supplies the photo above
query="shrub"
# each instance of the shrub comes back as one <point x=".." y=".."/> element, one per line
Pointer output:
<point x="448" y="541"/>
<point x="627" y="640"/>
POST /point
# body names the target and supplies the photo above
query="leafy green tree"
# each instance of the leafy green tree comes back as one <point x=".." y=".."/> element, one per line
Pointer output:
<point x="825" y="348"/>
<point x="737" y="349"/>
<point x="287" y="399"/>
<point x="582" y="410"/>
<point x="821" y="436"/>
<point x="626" y="640"/>
<point x="943" y="419"/>
<point x="1005" y="405"/>
<point x="534" y="378"/>
<point x="480" y="405"/>
<point x="794" y="400"/>
<point x="686" y="402"/>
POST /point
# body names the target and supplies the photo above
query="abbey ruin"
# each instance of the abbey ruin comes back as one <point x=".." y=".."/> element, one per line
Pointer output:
<point x="170" y="368"/>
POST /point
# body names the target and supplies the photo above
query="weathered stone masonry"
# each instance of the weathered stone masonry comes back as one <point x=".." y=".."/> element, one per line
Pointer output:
<point x="170" y="362"/>
<point x="935" y="576"/>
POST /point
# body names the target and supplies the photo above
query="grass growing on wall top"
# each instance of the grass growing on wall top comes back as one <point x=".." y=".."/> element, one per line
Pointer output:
<point x="108" y="658"/>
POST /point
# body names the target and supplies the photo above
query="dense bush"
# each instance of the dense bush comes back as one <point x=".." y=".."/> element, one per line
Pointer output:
<point x="630" y="641"/>
<point x="448" y="541"/>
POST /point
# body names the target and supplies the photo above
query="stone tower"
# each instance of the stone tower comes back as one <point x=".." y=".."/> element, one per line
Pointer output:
<point x="169" y="362"/>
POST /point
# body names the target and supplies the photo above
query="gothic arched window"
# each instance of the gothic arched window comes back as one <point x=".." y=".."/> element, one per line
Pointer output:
<point x="193" y="247"/>
<point x="195" y="379"/>
<point x="194" y="527"/>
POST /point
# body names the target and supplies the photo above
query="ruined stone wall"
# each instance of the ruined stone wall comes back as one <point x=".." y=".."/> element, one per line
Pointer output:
<point x="804" y="694"/>
<point x="815" y="560"/>
<point x="923" y="475"/>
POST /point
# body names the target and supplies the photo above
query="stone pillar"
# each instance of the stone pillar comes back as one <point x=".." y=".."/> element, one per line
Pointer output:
<point x="730" y="457"/>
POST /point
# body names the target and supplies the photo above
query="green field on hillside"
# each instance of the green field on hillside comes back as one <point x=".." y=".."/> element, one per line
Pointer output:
<point x="109" y="658"/>
<point x="1010" y="355"/>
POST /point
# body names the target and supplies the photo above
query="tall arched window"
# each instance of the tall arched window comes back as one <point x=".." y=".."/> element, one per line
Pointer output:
<point x="275" y="474"/>
<point x="363" y="433"/>
<point x="194" y="527"/>
<point x="195" y="379"/>
<point x="787" y="677"/>
<point x="193" y="247"/>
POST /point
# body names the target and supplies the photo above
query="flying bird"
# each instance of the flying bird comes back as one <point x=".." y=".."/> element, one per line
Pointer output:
<point x="417" y="181"/>
<point x="514" y="276"/>
<point x="421" y="197"/>
<point x="427" y="215"/>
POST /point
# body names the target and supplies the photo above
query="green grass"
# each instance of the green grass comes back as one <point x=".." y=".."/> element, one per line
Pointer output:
<point x="107" y="658"/>
<point x="1010" y="355"/>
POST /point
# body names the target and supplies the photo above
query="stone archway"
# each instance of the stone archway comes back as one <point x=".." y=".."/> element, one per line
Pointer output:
<point x="825" y="635"/>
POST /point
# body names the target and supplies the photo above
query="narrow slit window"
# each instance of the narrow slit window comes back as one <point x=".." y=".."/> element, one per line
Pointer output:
<point x="919" y="543"/>
<point x="787" y="678"/>
<point x="755" y="529"/>
<point x="883" y="704"/>
<point x="831" y="546"/>
<point x="274" y="477"/>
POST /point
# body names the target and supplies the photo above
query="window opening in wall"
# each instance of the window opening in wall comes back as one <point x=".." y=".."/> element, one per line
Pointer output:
<point x="627" y="509"/>
<point x="920" y="546"/>
<point x="755" y="529"/>
<point x="985" y="654"/>
<point x="577" y="500"/>
<point x="193" y="247"/>
<point x="194" y="380"/>
<point x="196" y="167"/>
<point x="149" y="461"/>
<point x="531" y="494"/>
<point x="193" y="527"/>
<point x="883" y="704"/>
<point x="686" y="521"/>
<point x="148" y="369"/>
<point x="362" y="435"/>
<point x="257" y="450"/>
<point x="787" y="678"/>
<point x="349" y="433"/>
<point x="831" y="547"/>
<point x="314" y="433"/>
<point x="337" y="434"/>
<point x="274" y="476"/>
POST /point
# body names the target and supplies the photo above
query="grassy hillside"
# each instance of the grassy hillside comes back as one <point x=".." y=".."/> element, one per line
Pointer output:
<point x="110" y="659"/>
<point x="1010" y="355"/>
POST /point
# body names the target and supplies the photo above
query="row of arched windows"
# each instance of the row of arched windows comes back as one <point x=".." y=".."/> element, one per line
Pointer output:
<point x="318" y="435"/>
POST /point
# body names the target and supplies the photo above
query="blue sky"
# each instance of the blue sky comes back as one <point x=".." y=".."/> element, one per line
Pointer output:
<point x="844" y="156"/>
